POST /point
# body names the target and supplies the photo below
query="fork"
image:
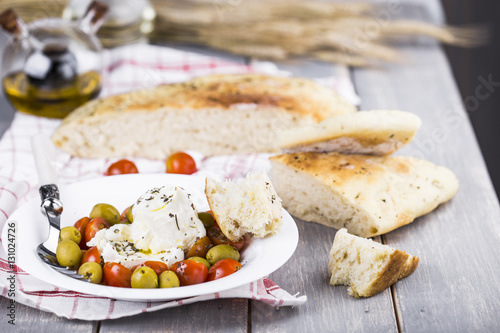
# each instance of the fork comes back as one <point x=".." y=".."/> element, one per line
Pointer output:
<point x="51" y="206"/>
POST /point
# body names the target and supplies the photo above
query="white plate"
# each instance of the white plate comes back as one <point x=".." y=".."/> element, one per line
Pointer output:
<point x="260" y="258"/>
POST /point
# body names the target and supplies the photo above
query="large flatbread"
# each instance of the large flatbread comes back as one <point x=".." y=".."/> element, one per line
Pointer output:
<point x="219" y="114"/>
<point x="367" y="195"/>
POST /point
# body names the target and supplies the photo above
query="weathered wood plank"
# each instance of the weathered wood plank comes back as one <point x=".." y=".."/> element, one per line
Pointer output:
<point x="28" y="319"/>
<point x="455" y="287"/>
<point x="223" y="315"/>
<point x="6" y="113"/>
<point x="6" y="110"/>
<point x="328" y="308"/>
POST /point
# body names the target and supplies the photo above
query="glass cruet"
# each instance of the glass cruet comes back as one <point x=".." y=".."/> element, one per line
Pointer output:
<point x="51" y="66"/>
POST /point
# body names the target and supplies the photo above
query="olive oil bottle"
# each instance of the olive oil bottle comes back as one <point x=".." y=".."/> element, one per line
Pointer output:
<point x="52" y="66"/>
<point x="51" y="101"/>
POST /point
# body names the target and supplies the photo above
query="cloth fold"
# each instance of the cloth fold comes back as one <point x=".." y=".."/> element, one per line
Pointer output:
<point x="127" y="68"/>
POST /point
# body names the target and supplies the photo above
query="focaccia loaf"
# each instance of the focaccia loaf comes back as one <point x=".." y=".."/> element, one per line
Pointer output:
<point x="368" y="195"/>
<point x="367" y="267"/>
<point x="249" y="205"/>
<point x="379" y="132"/>
<point x="219" y="114"/>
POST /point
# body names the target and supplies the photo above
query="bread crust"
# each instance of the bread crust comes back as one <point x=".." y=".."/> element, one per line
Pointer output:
<point x="378" y="132"/>
<point x="295" y="95"/>
<point x="399" y="266"/>
<point x="389" y="191"/>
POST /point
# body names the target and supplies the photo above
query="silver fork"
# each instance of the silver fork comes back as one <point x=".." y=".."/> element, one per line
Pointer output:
<point x="52" y="207"/>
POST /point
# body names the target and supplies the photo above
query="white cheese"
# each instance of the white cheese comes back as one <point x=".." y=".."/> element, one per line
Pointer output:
<point x="166" y="224"/>
<point x="114" y="245"/>
<point x="164" y="218"/>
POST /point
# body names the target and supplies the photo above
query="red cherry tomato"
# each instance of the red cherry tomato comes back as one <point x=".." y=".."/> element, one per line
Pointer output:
<point x="92" y="254"/>
<point x="190" y="272"/>
<point x="223" y="268"/>
<point x="181" y="163"/>
<point x="122" y="167"/>
<point x="157" y="266"/>
<point x="81" y="225"/>
<point x="116" y="275"/>
<point x="94" y="226"/>
<point x="217" y="237"/>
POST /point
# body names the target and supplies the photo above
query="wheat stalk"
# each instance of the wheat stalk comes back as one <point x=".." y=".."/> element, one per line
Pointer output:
<point x="337" y="32"/>
<point x="250" y="50"/>
<point x="474" y="36"/>
<point x="348" y="33"/>
<point x="343" y="57"/>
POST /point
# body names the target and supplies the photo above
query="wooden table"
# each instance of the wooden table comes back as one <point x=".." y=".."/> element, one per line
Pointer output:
<point x="454" y="289"/>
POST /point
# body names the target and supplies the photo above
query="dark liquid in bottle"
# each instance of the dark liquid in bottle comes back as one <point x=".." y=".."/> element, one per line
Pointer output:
<point x="50" y="85"/>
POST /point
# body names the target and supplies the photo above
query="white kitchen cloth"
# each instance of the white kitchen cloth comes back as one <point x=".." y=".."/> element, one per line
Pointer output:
<point x="126" y="68"/>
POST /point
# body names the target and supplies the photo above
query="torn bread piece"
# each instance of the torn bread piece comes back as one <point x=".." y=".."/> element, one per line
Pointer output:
<point x="215" y="114"/>
<point x="379" y="132"/>
<point x="368" y="195"/>
<point x="250" y="205"/>
<point x="367" y="267"/>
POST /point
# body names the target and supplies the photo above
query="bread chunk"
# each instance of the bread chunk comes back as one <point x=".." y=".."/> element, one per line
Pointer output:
<point x="249" y="205"/>
<point x="379" y="132"/>
<point x="367" y="195"/>
<point x="367" y="267"/>
<point x="218" y="114"/>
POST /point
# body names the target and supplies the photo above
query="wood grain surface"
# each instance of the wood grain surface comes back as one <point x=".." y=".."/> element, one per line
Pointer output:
<point x="32" y="320"/>
<point x="328" y="308"/>
<point x="455" y="287"/>
<point x="222" y="315"/>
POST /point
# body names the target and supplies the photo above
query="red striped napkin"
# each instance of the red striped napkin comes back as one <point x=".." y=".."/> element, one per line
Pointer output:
<point x="127" y="68"/>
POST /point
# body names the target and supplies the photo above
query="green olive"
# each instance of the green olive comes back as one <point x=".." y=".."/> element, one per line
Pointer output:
<point x="144" y="277"/>
<point x="200" y="259"/>
<point x="168" y="279"/>
<point x="108" y="212"/>
<point x="200" y="247"/>
<point x="70" y="233"/>
<point x="207" y="219"/>
<point x="68" y="253"/>
<point x="129" y="215"/>
<point x="222" y="251"/>
<point x="91" y="270"/>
